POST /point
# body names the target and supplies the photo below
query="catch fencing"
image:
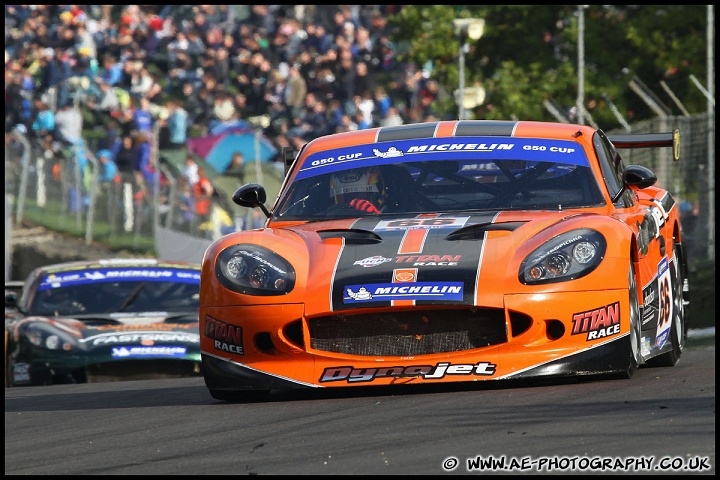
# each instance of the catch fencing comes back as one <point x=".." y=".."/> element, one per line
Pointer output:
<point x="63" y="191"/>
<point x="690" y="180"/>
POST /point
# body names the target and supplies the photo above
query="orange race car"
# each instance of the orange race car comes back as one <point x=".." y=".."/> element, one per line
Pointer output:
<point x="450" y="251"/>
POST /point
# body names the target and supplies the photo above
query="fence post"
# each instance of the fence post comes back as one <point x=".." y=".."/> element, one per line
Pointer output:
<point x="8" y="236"/>
<point x="93" y="197"/>
<point x="24" y="171"/>
<point x="76" y="192"/>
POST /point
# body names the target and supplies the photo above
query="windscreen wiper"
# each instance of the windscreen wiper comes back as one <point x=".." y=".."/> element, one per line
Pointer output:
<point x="130" y="299"/>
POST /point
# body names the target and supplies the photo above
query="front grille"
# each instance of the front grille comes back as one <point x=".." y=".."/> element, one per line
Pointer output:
<point x="408" y="333"/>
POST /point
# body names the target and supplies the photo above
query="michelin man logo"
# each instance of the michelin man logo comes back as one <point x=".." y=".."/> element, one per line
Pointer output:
<point x="94" y="276"/>
<point x="392" y="152"/>
<point x="361" y="294"/>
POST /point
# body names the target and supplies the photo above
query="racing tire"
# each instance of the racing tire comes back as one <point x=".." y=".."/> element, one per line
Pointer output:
<point x="240" y="395"/>
<point x="678" y="329"/>
<point x="635" y="325"/>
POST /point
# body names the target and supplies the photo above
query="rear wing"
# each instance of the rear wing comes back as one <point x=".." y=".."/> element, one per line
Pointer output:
<point x="649" y="140"/>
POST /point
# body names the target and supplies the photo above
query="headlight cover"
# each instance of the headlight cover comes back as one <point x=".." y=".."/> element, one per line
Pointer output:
<point x="568" y="256"/>
<point x="254" y="270"/>
<point x="47" y="337"/>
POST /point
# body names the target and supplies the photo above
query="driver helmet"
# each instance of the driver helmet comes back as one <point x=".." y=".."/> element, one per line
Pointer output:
<point x="55" y="295"/>
<point x="360" y="183"/>
<point x="56" y="300"/>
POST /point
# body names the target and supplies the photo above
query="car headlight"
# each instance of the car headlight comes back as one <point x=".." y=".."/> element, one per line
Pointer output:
<point x="568" y="256"/>
<point x="254" y="270"/>
<point x="45" y="336"/>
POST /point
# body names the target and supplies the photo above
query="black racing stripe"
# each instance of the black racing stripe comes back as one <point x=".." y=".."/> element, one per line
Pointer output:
<point x="348" y="273"/>
<point x="473" y="128"/>
<point x="407" y="132"/>
<point x="466" y="269"/>
<point x="465" y="255"/>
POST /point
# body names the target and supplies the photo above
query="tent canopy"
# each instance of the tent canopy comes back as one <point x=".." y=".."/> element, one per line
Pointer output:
<point x="217" y="150"/>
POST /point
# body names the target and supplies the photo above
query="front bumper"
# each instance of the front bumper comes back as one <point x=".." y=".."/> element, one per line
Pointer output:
<point x="533" y="335"/>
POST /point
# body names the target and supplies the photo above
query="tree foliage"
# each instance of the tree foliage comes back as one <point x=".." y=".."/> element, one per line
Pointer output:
<point x="529" y="55"/>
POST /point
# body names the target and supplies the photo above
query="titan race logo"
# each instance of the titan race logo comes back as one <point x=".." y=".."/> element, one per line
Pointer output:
<point x="427" y="372"/>
<point x="598" y="322"/>
<point x="226" y="337"/>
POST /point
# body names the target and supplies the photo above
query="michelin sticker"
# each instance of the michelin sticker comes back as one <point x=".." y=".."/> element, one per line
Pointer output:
<point x="410" y="291"/>
<point x="457" y="148"/>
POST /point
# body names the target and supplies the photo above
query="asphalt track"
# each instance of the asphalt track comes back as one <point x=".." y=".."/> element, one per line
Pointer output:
<point x="662" y="417"/>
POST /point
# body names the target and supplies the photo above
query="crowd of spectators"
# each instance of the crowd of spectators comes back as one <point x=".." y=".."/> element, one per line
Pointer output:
<point x="125" y="72"/>
<point x="315" y="69"/>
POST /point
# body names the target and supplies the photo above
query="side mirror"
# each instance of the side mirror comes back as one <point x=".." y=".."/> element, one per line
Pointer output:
<point x="11" y="300"/>
<point x="636" y="176"/>
<point x="251" y="195"/>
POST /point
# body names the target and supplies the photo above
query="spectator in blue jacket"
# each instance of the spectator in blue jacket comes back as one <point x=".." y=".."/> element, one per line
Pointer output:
<point x="108" y="169"/>
<point x="142" y="160"/>
<point x="44" y="123"/>
<point x="142" y="118"/>
<point x="177" y="124"/>
<point x="145" y="162"/>
<point x="111" y="72"/>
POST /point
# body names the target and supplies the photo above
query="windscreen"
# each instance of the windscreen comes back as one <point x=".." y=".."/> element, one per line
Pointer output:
<point x="115" y="290"/>
<point x="456" y="174"/>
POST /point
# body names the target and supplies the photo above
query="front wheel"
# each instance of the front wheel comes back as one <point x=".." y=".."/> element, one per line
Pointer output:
<point x="632" y="353"/>
<point x="635" y="325"/>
